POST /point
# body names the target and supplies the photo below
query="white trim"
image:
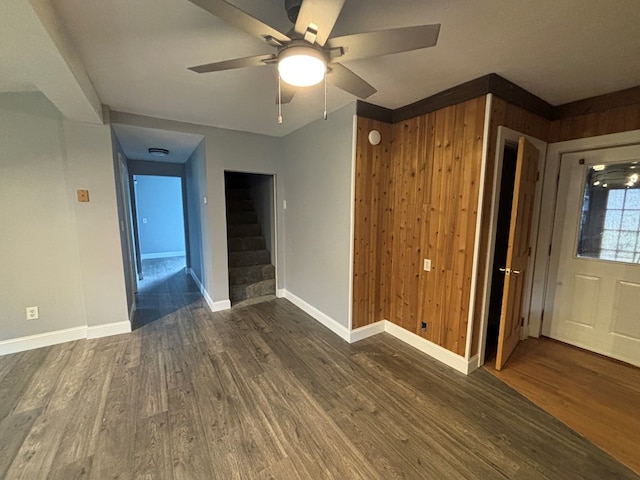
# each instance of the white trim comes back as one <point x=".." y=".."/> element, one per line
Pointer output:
<point x="340" y="330"/>
<point x="473" y="363"/>
<point x="40" y="340"/>
<point x="352" y="216"/>
<point x="55" y="337"/>
<point x="218" y="306"/>
<point x="147" y="256"/>
<point x="476" y="242"/>
<point x="108" y="329"/>
<point x="213" y="306"/>
<point x="281" y="292"/>
<point x="367" y="331"/>
<point x="441" y="354"/>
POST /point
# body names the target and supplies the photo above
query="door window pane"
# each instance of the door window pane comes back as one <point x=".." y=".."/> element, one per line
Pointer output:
<point x="610" y="223"/>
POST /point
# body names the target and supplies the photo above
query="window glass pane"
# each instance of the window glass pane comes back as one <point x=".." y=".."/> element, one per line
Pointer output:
<point x="630" y="220"/>
<point x="616" y="199"/>
<point x="610" y="239"/>
<point x="627" y="241"/>
<point x="610" y="222"/>
<point x="613" y="219"/>
<point x="632" y="201"/>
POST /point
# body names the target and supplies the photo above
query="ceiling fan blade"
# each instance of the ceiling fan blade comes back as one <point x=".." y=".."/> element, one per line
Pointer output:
<point x="240" y="19"/>
<point x="255" y="61"/>
<point x="317" y="18"/>
<point x="343" y="78"/>
<point x="287" y="92"/>
<point x="384" y="42"/>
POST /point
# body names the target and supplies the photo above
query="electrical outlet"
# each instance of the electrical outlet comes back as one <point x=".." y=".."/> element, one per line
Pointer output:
<point x="32" y="313"/>
<point x="427" y="265"/>
<point x="423" y="327"/>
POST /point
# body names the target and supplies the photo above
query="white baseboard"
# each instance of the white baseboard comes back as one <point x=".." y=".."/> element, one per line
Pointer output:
<point x="108" y="329"/>
<point x="47" y="339"/>
<point x="367" y="331"/>
<point x="436" y="351"/>
<point x="473" y="363"/>
<point x="321" y="317"/>
<point x="219" y="305"/>
<point x="148" y="256"/>
<point x="280" y="292"/>
<point x="213" y="306"/>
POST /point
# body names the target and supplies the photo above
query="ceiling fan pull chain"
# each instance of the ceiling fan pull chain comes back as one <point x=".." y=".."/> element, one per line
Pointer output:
<point x="325" y="97"/>
<point x="279" y="101"/>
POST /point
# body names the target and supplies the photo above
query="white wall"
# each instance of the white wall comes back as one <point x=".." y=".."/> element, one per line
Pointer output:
<point x="57" y="254"/>
<point x="316" y="167"/>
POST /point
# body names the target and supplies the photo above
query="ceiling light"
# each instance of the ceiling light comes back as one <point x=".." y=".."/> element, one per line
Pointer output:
<point x="301" y="65"/>
<point x="596" y="183"/>
<point x="159" y="152"/>
<point x="598" y="168"/>
<point x="604" y="185"/>
<point x="633" y="178"/>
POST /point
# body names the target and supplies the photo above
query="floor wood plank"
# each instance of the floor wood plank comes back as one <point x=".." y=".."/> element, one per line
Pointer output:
<point x="266" y="392"/>
<point x="596" y="396"/>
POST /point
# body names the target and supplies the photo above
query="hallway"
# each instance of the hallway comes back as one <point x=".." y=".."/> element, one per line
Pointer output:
<point x="165" y="288"/>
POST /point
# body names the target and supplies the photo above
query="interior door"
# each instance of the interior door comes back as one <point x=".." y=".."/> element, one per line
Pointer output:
<point x="594" y="276"/>
<point x="518" y="250"/>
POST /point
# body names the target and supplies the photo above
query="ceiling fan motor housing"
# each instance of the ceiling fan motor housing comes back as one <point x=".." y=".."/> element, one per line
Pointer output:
<point x="293" y="8"/>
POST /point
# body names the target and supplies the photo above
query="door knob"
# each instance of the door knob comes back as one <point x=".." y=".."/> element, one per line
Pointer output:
<point x="515" y="272"/>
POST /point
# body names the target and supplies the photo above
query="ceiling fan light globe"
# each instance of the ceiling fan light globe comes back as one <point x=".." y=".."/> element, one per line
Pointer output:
<point x="301" y="67"/>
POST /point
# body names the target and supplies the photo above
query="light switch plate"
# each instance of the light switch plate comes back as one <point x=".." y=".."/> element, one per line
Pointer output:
<point x="427" y="265"/>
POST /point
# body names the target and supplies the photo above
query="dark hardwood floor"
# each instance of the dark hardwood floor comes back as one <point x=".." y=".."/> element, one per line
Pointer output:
<point x="265" y="392"/>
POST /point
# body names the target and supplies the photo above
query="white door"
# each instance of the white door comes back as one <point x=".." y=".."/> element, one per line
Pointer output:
<point x="593" y="292"/>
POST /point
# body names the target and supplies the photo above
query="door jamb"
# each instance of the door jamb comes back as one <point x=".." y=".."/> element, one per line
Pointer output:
<point x="507" y="135"/>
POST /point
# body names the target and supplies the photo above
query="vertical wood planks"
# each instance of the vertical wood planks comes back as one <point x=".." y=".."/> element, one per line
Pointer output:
<point x="426" y="184"/>
<point x="372" y="262"/>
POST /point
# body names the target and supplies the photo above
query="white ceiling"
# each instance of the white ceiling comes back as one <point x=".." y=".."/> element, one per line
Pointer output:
<point x="136" y="141"/>
<point x="137" y="53"/>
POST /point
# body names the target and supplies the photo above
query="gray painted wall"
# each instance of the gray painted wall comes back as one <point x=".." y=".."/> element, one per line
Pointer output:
<point x="160" y="215"/>
<point x="123" y="203"/>
<point x="196" y="174"/>
<point x="316" y="164"/>
<point x="57" y="254"/>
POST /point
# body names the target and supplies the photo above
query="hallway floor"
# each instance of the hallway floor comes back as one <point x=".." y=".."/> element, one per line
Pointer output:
<point x="165" y="288"/>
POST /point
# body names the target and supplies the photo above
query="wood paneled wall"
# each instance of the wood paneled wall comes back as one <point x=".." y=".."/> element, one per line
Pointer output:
<point x="372" y="251"/>
<point x="612" y="120"/>
<point x="417" y="198"/>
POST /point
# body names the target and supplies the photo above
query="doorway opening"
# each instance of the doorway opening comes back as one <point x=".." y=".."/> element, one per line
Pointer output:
<point x="507" y="183"/>
<point x="251" y="237"/>
<point x="159" y="221"/>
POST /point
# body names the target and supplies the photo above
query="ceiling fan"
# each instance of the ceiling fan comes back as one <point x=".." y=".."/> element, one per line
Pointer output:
<point x="307" y="53"/>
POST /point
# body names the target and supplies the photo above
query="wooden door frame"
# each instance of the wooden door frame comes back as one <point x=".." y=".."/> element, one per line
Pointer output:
<point x="556" y="151"/>
<point x="507" y="135"/>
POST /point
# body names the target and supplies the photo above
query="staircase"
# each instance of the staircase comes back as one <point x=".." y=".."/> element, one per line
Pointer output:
<point x="251" y="275"/>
